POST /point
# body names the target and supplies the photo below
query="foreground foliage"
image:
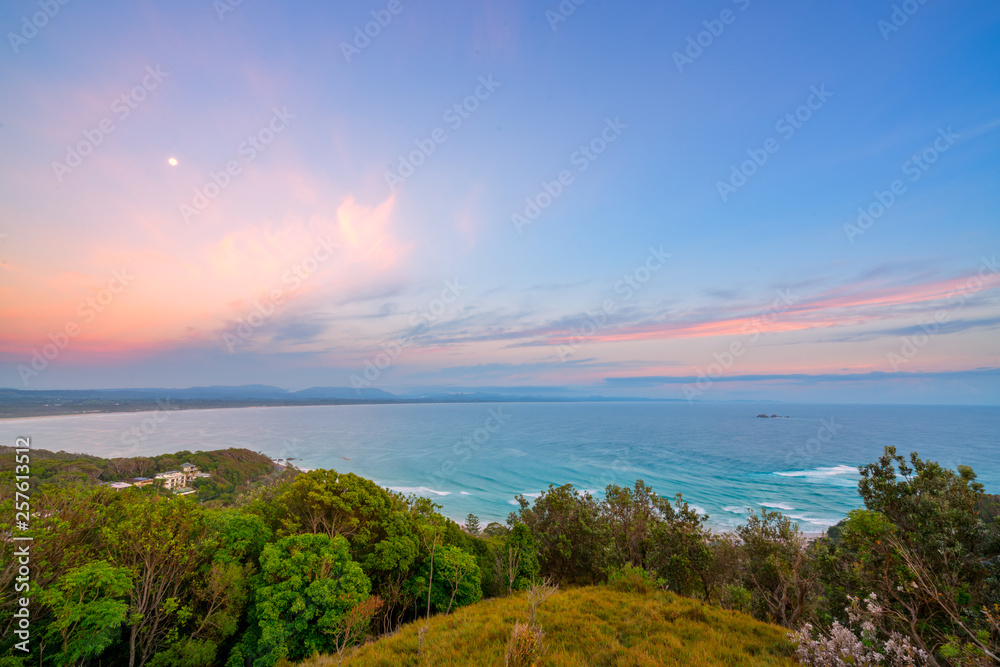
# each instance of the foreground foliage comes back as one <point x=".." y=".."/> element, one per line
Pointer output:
<point x="305" y="564"/>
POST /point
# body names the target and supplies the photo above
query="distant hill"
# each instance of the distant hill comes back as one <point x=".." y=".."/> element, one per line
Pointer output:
<point x="223" y="391"/>
<point x="593" y="625"/>
<point x="47" y="402"/>
<point x="342" y="392"/>
<point x="39" y="403"/>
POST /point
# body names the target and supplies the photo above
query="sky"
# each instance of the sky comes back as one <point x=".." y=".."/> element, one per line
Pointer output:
<point x="727" y="200"/>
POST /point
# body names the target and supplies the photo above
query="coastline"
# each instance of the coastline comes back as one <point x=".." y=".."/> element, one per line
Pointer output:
<point x="11" y="411"/>
<point x="720" y="456"/>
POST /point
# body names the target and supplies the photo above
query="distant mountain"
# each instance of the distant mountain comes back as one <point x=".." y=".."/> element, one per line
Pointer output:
<point x="47" y="402"/>
<point x="150" y="393"/>
<point x="484" y="397"/>
<point x="342" y="392"/>
<point x="223" y="391"/>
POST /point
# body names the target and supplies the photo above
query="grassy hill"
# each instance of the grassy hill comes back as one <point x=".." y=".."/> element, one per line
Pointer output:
<point x="593" y="625"/>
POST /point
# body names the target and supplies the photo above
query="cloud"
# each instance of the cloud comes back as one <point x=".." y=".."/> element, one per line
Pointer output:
<point x="303" y="331"/>
<point x="854" y="304"/>
<point x="804" y="378"/>
<point x="192" y="289"/>
<point x="951" y="327"/>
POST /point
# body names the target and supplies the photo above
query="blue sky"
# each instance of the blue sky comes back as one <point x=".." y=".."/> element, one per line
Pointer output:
<point x="438" y="267"/>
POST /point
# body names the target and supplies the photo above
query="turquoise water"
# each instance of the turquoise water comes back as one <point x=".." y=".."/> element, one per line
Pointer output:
<point x="476" y="457"/>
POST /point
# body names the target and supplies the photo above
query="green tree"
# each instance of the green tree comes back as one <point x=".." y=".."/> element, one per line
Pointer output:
<point x="307" y="585"/>
<point x="778" y="570"/>
<point x="921" y="547"/>
<point x="455" y="582"/>
<point x="631" y="515"/>
<point x="516" y="559"/>
<point x="494" y="529"/>
<point x="679" y="548"/>
<point x="381" y="527"/>
<point x="239" y="537"/>
<point x="570" y="533"/>
<point x="88" y="609"/>
<point x="354" y="625"/>
<point x="373" y="519"/>
<point x="159" y="540"/>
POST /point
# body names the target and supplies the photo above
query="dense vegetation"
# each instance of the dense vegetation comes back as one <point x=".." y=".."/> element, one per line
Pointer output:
<point x="232" y="470"/>
<point x="314" y="563"/>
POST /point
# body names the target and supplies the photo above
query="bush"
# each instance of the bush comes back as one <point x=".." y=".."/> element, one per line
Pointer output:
<point x="873" y="645"/>
<point x="736" y="598"/>
<point x="631" y="579"/>
<point x="525" y="646"/>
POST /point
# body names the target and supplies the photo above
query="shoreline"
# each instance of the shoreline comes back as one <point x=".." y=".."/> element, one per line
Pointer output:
<point x="10" y="411"/>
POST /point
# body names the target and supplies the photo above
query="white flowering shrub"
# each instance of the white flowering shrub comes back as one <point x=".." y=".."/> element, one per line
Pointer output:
<point x="869" y="646"/>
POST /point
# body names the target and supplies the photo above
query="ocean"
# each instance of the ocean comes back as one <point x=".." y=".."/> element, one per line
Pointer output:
<point x="475" y="457"/>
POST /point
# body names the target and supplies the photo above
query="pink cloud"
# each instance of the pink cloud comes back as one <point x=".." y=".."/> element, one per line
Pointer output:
<point x="850" y="305"/>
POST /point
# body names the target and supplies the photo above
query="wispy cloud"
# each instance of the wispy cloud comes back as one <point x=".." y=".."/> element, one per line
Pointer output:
<point x="804" y="378"/>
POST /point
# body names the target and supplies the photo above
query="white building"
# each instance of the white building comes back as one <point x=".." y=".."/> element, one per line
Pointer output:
<point x="173" y="479"/>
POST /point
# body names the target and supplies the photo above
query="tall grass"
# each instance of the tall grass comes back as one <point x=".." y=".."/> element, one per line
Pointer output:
<point x="594" y="625"/>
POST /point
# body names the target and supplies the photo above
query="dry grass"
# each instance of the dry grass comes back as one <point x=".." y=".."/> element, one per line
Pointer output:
<point x="595" y="625"/>
<point x="525" y="645"/>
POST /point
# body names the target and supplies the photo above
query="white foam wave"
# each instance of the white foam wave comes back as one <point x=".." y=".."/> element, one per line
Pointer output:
<point x="464" y="493"/>
<point x="735" y="509"/>
<point x="698" y="509"/>
<point x="777" y="506"/>
<point x="821" y="472"/>
<point x="816" y="521"/>
<point x="418" y="490"/>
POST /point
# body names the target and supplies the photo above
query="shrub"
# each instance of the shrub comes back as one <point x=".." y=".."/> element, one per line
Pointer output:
<point x="525" y="646"/>
<point x="736" y="598"/>
<point x="570" y="533"/>
<point x="873" y="646"/>
<point x="629" y="578"/>
<point x="966" y="654"/>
